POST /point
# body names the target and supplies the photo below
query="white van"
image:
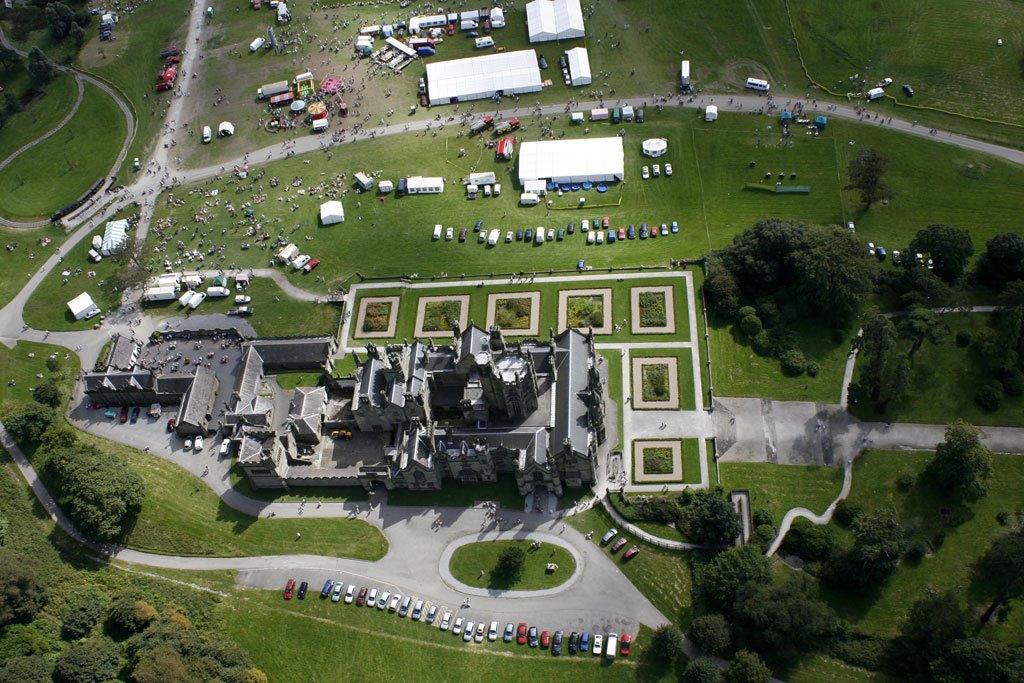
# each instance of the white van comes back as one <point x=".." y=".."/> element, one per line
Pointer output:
<point x="485" y="41"/>
<point x="225" y="447"/>
<point x="300" y="261"/>
<point x="217" y="291"/>
<point x="529" y="199"/>
<point x="497" y="189"/>
<point x="197" y="298"/>
<point x="875" y="94"/>
<point x="257" y="44"/>
<point x="207" y="134"/>
<point x="95" y="256"/>
<point x="493" y="237"/>
<point x="539" y="239"/>
<point x="611" y="646"/>
<point x="186" y="298"/>
<point x="487" y="190"/>
<point x="437" y="231"/>
<point x="758" y="84"/>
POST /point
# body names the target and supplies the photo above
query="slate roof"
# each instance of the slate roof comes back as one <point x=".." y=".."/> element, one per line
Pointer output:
<point x="278" y="353"/>
<point x="199" y="397"/>
<point x="571" y="391"/>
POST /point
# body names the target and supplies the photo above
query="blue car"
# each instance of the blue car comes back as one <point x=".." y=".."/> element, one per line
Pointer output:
<point x="611" y="235"/>
<point x="327" y="588"/>
<point x="585" y="642"/>
<point x="581" y="265"/>
<point x="643" y="231"/>
<point x="675" y="226"/>
<point x="529" y="234"/>
<point x="631" y="232"/>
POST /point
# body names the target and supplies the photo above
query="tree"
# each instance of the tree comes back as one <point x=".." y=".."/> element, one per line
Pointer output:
<point x="10" y="58"/>
<point x="27" y="422"/>
<point x="783" y="620"/>
<point x="866" y="172"/>
<point x="11" y="104"/>
<point x="712" y="519"/>
<point x="90" y="661"/>
<point x="930" y="628"/>
<point x="59" y="19"/>
<point x="720" y="579"/>
<point x="21" y="593"/>
<point x="701" y="670"/>
<point x="1002" y="261"/>
<point x="877" y="339"/>
<point x="667" y="643"/>
<point x="979" y="660"/>
<point x="747" y="667"/>
<point x="879" y="541"/>
<point x="721" y="291"/>
<point x="922" y="324"/>
<point x="48" y="393"/>
<point x="831" y="274"/>
<point x="175" y="644"/>
<point x="510" y="564"/>
<point x="96" y="490"/>
<point x="710" y="633"/>
<point x="77" y="34"/>
<point x="919" y="286"/>
<point x="84" y="611"/>
<point x="129" y="614"/>
<point x="40" y="66"/>
<point x="897" y="381"/>
<point x="813" y="542"/>
<point x="30" y="669"/>
<point x="132" y="271"/>
<point x="962" y="464"/>
<point x="1003" y="567"/>
<point x="950" y="248"/>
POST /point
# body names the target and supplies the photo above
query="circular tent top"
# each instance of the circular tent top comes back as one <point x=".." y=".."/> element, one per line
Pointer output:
<point x="655" y="147"/>
<point x="298" y="105"/>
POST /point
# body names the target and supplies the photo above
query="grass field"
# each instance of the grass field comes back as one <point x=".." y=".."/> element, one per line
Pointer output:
<point x="663" y="576"/>
<point x="474" y="565"/>
<point x="779" y="488"/>
<point x="26" y="360"/>
<point x="182" y="516"/>
<point x="63" y="167"/>
<point x="944" y="380"/>
<point x="504" y="492"/>
<point x="43" y="114"/>
<point x="951" y="567"/>
<point x="298" y="641"/>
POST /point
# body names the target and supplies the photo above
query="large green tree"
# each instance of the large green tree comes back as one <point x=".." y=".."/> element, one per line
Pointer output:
<point x="962" y="464"/>
<point x="667" y="643"/>
<point x="510" y="563"/>
<point x="879" y="541"/>
<point x="40" y="66"/>
<point x="747" y="667"/>
<point x="950" y="248"/>
<point x="878" y="336"/>
<point x="21" y="593"/>
<point x="96" y="660"/>
<point x="832" y="276"/>
<point x="712" y="519"/>
<point x="719" y="581"/>
<point x="979" y="660"/>
<point x="59" y="19"/>
<point x="867" y="171"/>
<point x="1003" y="567"/>
<point x="1002" y="261"/>
<point x="174" y="646"/>
<point x="932" y="625"/>
<point x="710" y="632"/>
<point x="922" y="324"/>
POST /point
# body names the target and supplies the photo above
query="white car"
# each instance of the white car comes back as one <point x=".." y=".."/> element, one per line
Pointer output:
<point x="350" y="594"/>
<point x="457" y="626"/>
<point x="446" y="621"/>
<point x="600" y="237"/>
<point x="336" y="591"/>
<point x="383" y="602"/>
<point x="468" y="633"/>
<point x="225" y="447"/>
<point x="871" y="248"/>
<point x="198" y="443"/>
<point x="395" y="600"/>
<point x="242" y="299"/>
<point x="449" y="234"/>
<point x="371" y="601"/>
<point x="668" y="170"/>
<point x="656" y="170"/>
<point x="885" y="83"/>
<point x="590" y="237"/>
<point x="551" y="234"/>
<point x="585" y="225"/>
<point x="508" y="237"/>
<point x="492" y="632"/>
<point x="188" y="444"/>
<point x="645" y="173"/>
<point x="598" y="643"/>
<point x="207" y="134"/>
<point x="479" y="637"/>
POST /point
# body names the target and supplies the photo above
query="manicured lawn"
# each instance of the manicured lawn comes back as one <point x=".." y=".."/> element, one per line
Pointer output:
<point x="778" y="488"/>
<point x="15" y="265"/>
<point x="39" y="118"/>
<point x="474" y="565"/>
<point x="944" y="380"/>
<point x="951" y="567"/>
<point x="63" y="167"/>
<point x="295" y="641"/>
<point x="182" y="516"/>
<point x="612" y="362"/>
<point x="684" y="365"/>
<point x="661" y="575"/>
<point x="817" y="668"/>
<point x="334" y="494"/>
<point x="691" y="461"/>
<point x="456" y="494"/>
<point x="24" y="361"/>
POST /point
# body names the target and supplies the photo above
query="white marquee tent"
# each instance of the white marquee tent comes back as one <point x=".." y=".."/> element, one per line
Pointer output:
<point x="655" y="147"/>
<point x="115" y="236"/>
<point x="475" y="78"/>
<point x="554" y="20"/>
<point x="572" y="161"/>
<point x="83" y="307"/>
<point x="579" y="66"/>
<point x="332" y="212"/>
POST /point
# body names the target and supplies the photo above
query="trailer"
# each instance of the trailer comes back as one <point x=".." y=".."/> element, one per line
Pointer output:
<point x="506" y="126"/>
<point x="305" y="85"/>
<point x="160" y="294"/>
<point x="599" y="114"/>
<point x="283" y="98"/>
<point x="480" y="125"/>
<point x="506" y="148"/>
<point x="271" y="89"/>
<point x="257" y="44"/>
<point x="288" y="253"/>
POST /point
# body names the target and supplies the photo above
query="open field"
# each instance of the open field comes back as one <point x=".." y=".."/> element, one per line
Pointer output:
<point x="951" y="566"/>
<point x="475" y="563"/>
<point x="42" y="115"/>
<point x="16" y="265"/>
<point x="779" y="488"/>
<point x="943" y="381"/>
<point x="63" y="167"/>
<point x="27" y="359"/>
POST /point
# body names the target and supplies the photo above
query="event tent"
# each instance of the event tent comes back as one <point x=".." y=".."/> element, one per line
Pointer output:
<point x="225" y="128"/>
<point x="332" y="212"/>
<point x="655" y="147"/>
<point x="474" y="78"/>
<point x="115" y="236"/>
<point x="579" y="66"/>
<point x="572" y="161"/>
<point x="83" y="307"/>
<point x="554" y="20"/>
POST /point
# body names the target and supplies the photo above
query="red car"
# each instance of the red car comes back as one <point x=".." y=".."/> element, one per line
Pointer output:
<point x="173" y="59"/>
<point x="170" y="424"/>
<point x="289" y="589"/>
<point x="462" y="235"/>
<point x="625" y="645"/>
<point x="618" y="545"/>
<point x="605" y="222"/>
<point x="451" y="29"/>
<point x="521" y="634"/>
<point x="124" y="414"/>
<point x="622" y="233"/>
<point x="631" y="553"/>
<point x="545" y="640"/>
<point x="311" y="265"/>
<point x="361" y="600"/>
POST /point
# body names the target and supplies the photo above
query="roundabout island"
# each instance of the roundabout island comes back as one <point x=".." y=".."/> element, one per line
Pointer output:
<point x="517" y="565"/>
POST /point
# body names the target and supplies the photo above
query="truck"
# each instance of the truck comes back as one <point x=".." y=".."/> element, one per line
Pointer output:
<point x="271" y="89"/>
<point x="480" y="125"/>
<point x="160" y="294"/>
<point x="506" y="126"/>
<point x="506" y="148"/>
<point x="599" y="114"/>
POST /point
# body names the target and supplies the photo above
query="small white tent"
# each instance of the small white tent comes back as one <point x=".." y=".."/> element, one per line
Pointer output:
<point x="579" y="66"/>
<point x="655" y="147"/>
<point x="83" y="307"/>
<point x="225" y="128"/>
<point x="332" y="212"/>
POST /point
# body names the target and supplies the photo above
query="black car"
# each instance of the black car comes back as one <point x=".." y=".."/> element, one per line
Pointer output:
<point x="563" y="63"/>
<point x="574" y="642"/>
<point x="479" y="224"/>
<point x="908" y="91"/>
<point x="529" y="234"/>
<point x="631" y="232"/>
<point x="532" y="636"/>
<point x="303" y="587"/>
<point x="519" y="235"/>
<point x="571" y="228"/>
<point x="542" y="62"/>
<point x="556" y="644"/>
<point x="561" y="234"/>
<point x="135" y="415"/>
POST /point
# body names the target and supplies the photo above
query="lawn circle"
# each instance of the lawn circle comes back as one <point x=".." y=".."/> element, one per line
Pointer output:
<point x="463" y="559"/>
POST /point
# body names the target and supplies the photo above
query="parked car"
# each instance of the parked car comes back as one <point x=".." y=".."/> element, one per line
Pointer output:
<point x="510" y="630"/>
<point x="625" y="645"/>
<point x="124" y="414"/>
<point x="519" y="235"/>
<point x="521" y="633"/>
<point x="571" y="228"/>
<point x="446" y="621"/>
<point x="561" y="234"/>
<point x="449" y="234"/>
<point x="556" y="644"/>
<point x="462" y="235"/>
<point x="467" y="635"/>
<point x="326" y="590"/>
<point x="171" y="423"/>
<point x="600" y="237"/>
<point x="664" y="230"/>
<point x="645" y="173"/>
<point x="308" y="268"/>
<point x="289" y="589"/>
<point x="668" y="170"/>
<point x="361" y="598"/>
<point x="543" y="63"/>
<point x="551" y="234"/>
<point x="643" y="231"/>
<point x="606" y="221"/>
<point x="611" y="533"/>
<point x="611" y="235"/>
<point x="574" y="642"/>
<point x="545" y="640"/>
<point x="431" y="615"/>
<point x="908" y="91"/>
<point x="350" y="594"/>
<point x="584" y="225"/>
<point x="417" y="610"/>
<point x="198" y="443"/>
<point x="621" y="233"/>
<point x="531" y="636"/>
<point x="656" y="170"/>
<point x="188" y="444"/>
<point x="631" y="232"/>
<point x="395" y="601"/>
<point x="336" y="592"/>
<point x="135" y="415"/>
<point x="492" y="632"/>
<point x="403" y="610"/>
<point x="479" y="637"/>
<point x="598" y="644"/>
<point x="529" y="235"/>
<point x="508" y="236"/>
<point x="303" y="587"/>
<point x="585" y="642"/>
<point x="457" y="626"/>
<point x="631" y="553"/>
<point x="479" y="224"/>
<point x="675" y="227"/>
<point x="617" y="546"/>
<point x="371" y="600"/>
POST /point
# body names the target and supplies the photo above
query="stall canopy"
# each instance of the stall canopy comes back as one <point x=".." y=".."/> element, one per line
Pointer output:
<point x="655" y="147"/>
<point x="83" y="307"/>
<point x="572" y="161"/>
<point x="331" y="212"/>
<point x="115" y="236"/>
<point x="554" y="20"/>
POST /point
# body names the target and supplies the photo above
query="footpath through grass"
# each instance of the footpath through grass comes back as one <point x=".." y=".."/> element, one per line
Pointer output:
<point x="779" y="488"/>
<point x="475" y="564"/>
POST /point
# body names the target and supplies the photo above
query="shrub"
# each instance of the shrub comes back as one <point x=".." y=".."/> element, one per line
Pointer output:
<point x="91" y="661"/>
<point x="1002" y="517"/>
<point x="747" y="667"/>
<point x="745" y="311"/>
<point x="990" y="396"/>
<point x="762" y="344"/>
<point x="917" y="551"/>
<point x="750" y="326"/>
<point x="1012" y="380"/>
<point x="667" y="643"/>
<point x="810" y="541"/>
<point x="83" y="614"/>
<point x="793" y="362"/>
<point x="861" y="650"/>
<point x="963" y="338"/>
<point x="710" y="633"/>
<point x="130" y="615"/>
<point x="701" y="670"/>
<point x="846" y="512"/>
<point x="762" y="516"/>
<point x="763" y="535"/>
<point x="812" y="369"/>
<point x="905" y="482"/>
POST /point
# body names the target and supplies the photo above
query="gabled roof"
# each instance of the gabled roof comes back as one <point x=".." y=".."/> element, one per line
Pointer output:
<point x="199" y="397"/>
<point x="279" y="353"/>
<point x="572" y="418"/>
